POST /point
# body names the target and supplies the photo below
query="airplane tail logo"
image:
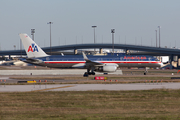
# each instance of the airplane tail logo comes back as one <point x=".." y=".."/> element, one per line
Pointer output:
<point x="32" y="48"/>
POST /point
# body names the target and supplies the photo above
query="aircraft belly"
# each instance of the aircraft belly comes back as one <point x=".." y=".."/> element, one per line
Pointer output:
<point x="58" y="65"/>
<point x="82" y="65"/>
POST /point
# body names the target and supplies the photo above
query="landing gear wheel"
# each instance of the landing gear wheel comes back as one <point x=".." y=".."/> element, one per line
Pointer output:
<point x="93" y="73"/>
<point x="85" y="74"/>
<point x="146" y="71"/>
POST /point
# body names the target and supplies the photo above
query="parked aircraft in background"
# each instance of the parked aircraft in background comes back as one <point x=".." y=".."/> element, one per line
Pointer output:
<point x="14" y="62"/>
<point x="105" y="64"/>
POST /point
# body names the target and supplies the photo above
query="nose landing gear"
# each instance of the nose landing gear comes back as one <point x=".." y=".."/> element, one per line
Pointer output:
<point x="146" y="71"/>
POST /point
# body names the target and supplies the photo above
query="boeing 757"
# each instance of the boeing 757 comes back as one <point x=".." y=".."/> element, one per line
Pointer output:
<point x="105" y="64"/>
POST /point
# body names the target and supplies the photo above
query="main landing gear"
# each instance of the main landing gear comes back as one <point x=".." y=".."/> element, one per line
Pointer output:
<point x="86" y="74"/>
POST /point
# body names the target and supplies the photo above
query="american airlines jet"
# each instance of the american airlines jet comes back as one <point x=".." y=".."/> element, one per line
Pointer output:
<point x="105" y="64"/>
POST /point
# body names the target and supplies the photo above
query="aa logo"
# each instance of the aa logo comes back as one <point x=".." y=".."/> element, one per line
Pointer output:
<point x="33" y="48"/>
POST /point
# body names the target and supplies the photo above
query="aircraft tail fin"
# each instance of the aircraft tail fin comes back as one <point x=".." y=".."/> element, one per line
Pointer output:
<point x="31" y="48"/>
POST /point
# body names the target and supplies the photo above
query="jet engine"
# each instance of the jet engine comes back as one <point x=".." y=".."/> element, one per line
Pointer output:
<point x="107" y="68"/>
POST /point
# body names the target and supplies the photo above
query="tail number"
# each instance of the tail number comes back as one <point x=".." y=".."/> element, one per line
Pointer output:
<point x="33" y="48"/>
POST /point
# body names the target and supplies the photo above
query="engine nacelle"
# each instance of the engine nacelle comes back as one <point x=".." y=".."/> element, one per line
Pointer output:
<point x="107" y="68"/>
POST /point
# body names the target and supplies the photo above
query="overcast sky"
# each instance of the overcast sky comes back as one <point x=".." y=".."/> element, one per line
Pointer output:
<point x="133" y="20"/>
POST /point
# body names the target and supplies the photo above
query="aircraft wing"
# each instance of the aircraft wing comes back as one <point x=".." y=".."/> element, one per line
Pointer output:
<point x="94" y="63"/>
<point x="99" y="67"/>
<point x="89" y="62"/>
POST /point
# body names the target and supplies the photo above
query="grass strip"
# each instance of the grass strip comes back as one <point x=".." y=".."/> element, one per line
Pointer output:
<point x="126" y="105"/>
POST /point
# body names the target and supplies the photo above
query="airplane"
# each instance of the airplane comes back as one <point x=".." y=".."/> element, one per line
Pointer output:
<point x="105" y="64"/>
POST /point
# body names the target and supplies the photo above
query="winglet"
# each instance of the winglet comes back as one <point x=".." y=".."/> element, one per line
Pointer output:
<point x="84" y="56"/>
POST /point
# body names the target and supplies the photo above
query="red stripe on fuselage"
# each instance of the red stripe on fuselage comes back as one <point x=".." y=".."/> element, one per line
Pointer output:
<point x="58" y="62"/>
<point x="76" y="62"/>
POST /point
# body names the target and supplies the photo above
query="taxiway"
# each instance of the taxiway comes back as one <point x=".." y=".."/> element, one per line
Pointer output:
<point x="86" y="87"/>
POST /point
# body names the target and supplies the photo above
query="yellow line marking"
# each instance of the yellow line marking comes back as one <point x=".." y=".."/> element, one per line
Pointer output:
<point x="53" y="88"/>
<point x="31" y="81"/>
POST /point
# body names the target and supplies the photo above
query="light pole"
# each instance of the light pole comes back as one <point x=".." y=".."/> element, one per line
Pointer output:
<point x="21" y="47"/>
<point x="94" y="36"/>
<point x="156" y="37"/>
<point x="159" y="36"/>
<point x="113" y="31"/>
<point x="32" y="33"/>
<point x="14" y="47"/>
<point x="50" y="36"/>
